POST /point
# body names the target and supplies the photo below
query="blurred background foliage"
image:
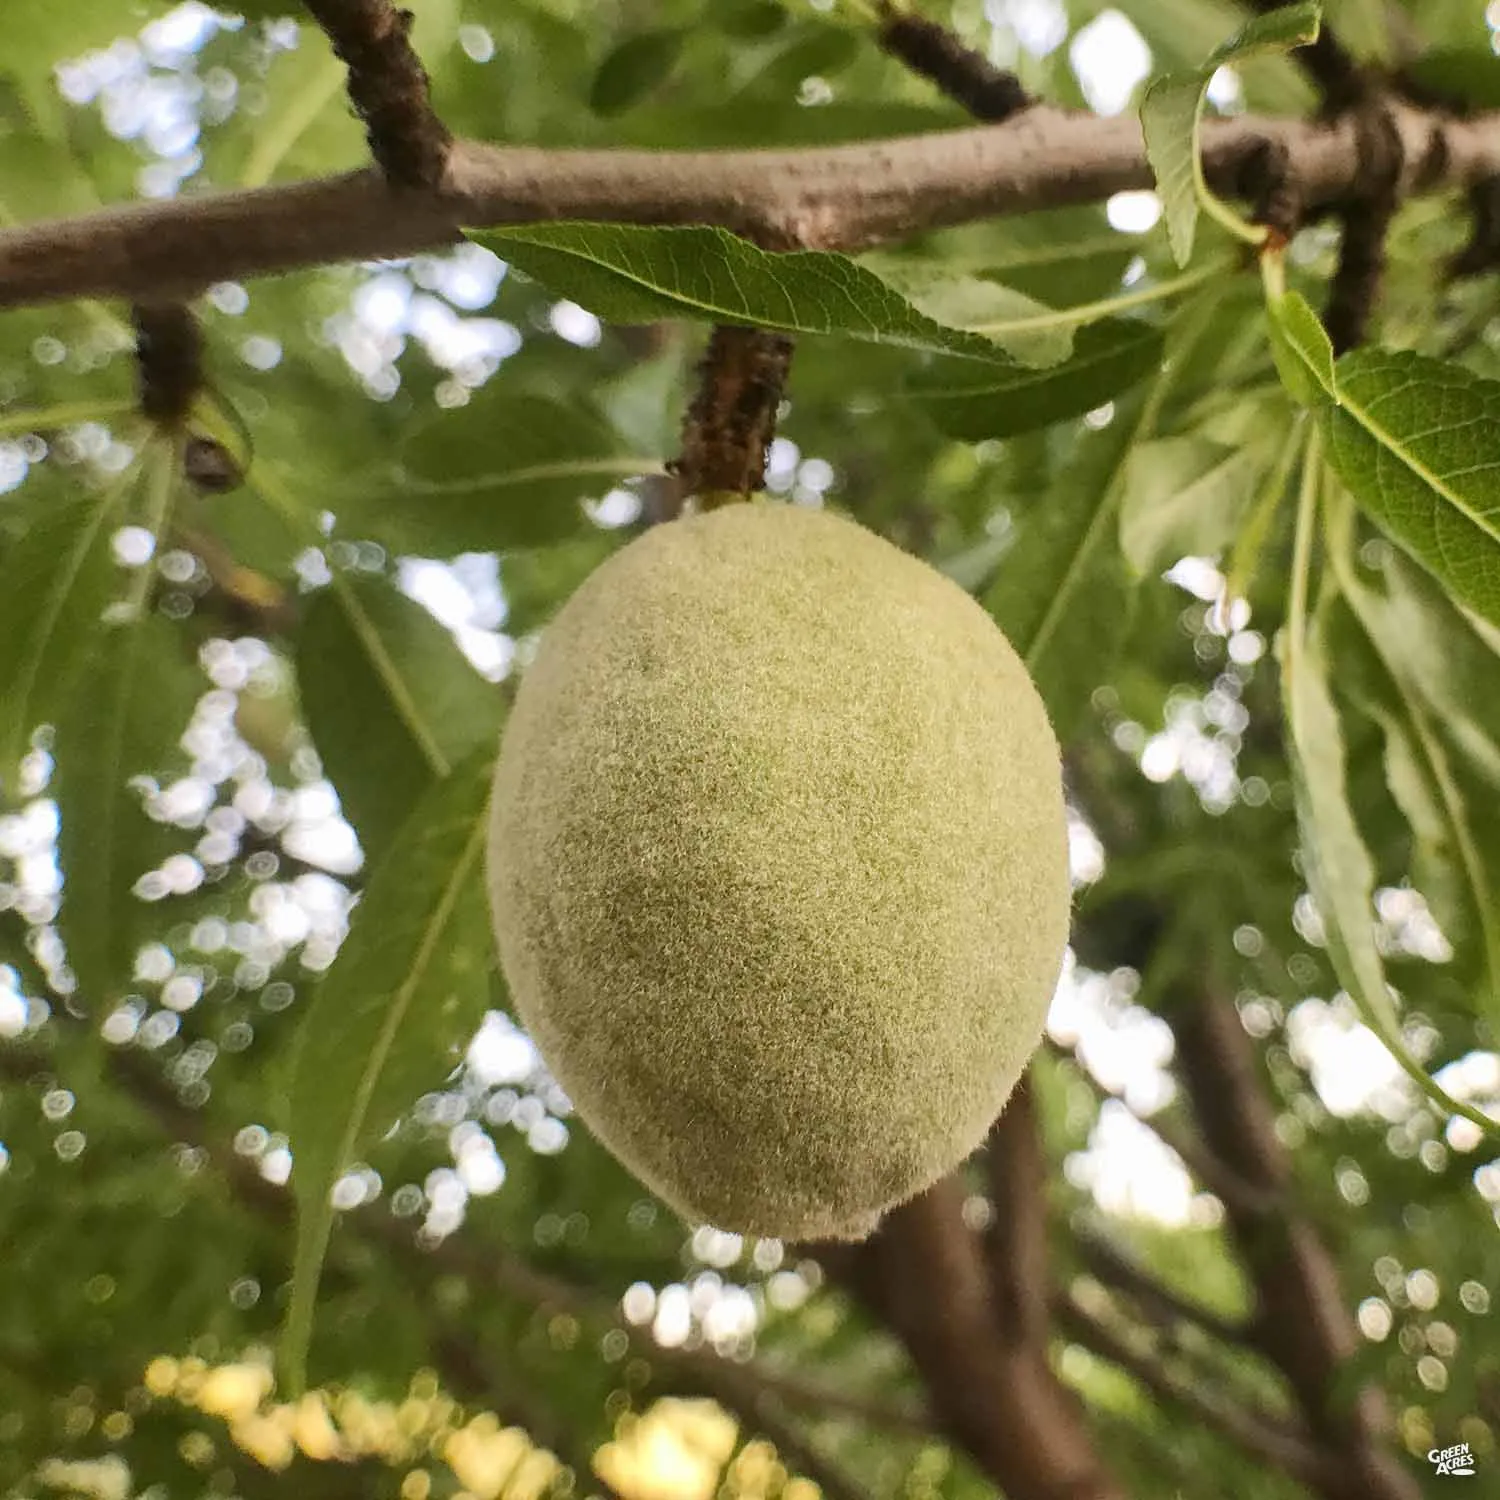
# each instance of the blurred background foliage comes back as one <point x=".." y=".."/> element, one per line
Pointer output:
<point x="187" y="826"/>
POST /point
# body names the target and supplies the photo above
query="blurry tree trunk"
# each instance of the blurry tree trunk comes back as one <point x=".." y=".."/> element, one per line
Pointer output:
<point x="971" y="1309"/>
<point x="1302" y="1320"/>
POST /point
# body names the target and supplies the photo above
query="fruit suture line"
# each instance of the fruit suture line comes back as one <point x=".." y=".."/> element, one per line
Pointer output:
<point x="835" y="198"/>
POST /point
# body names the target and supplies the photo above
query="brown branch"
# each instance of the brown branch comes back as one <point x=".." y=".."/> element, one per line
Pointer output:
<point x="1016" y="1240"/>
<point x="1259" y="1433"/>
<point x="1366" y="213"/>
<point x="168" y="359"/>
<point x="1116" y="1268"/>
<point x="839" y="198"/>
<point x="924" y="1274"/>
<point x="964" y="75"/>
<point x="1302" y="1321"/>
<point x="1366" y="221"/>
<point x="388" y="87"/>
<point x="732" y="419"/>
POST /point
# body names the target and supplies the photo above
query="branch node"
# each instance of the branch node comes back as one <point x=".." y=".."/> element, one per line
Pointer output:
<point x="1269" y="182"/>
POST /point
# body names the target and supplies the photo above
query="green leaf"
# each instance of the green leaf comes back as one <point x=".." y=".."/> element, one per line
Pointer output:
<point x="812" y="50"/>
<point x="1363" y="26"/>
<point x="1031" y="333"/>
<point x="1062" y="594"/>
<point x="1449" y="864"/>
<point x="1341" y="876"/>
<point x="626" y="274"/>
<point x="1435" y="652"/>
<point x="392" y="1015"/>
<point x="636" y="68"/>
<point x="1058" y="256"/>
<point x="1417" y="441"/>
<point x="536" y="584"/>
<point x="1188" y="496"/>
<point x="1467" y="74"/>
<point x="974" y="402"/>
<point x="1302" y="350"/>
<point x="40" y="177"/>
<point x="39" y="35"/>
<point x="1172" y="114"/>
<point x="126" y="708"/>
<point x="749" y="20"/>
<point x="974" y="567"/>
<point x="304" y="129"/>
<point x="58" y="578"/>
<point x="497" y="474"/>
<point x="391" y="702"/>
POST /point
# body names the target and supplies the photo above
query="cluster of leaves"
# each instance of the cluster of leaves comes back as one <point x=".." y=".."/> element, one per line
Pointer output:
<point x="1053" y="410"/>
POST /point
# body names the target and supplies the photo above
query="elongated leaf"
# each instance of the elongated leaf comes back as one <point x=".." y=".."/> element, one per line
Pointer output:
<point x="973" y="402"/>
<point x="44" y="33"/>
<point x="749" y="20"/>
<point x="636" y="68"/>
<point x="1062" y="594"/>
<point x="1301" y="349"/>
<point x="58" y="578"/>
<point x="125" y="707"/>
<point x="1032" y="333"/>
<point x="1340" y="874"/>
<point x="974" y="567"/>
<point x="1417" y="441"/>
<point x="305" y="128"/>
<point x="1188" y="496"/>
<point x="128" y="704"/>
<point x="1058" y="256"/>
<point x="391" y="701"/>
<point x="1363" y="26"/>
<point x="812" y="48"/>
<point x="392" y="1016"/>
<point x="495" y="475"/>
<point x="1451" y="863"/>
<point x="626" y="274"/>
<point x="1416" y="781"/>
<point x="1414" y="440"/>
<point x="1172" y="113"/>
<point x="1434" y="650"/>
<point x="1466" y="73"/>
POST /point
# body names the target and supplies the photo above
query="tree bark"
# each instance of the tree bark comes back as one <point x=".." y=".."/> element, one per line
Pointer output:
<point x="972" y="1313"/>
<point x="1302" y="1321"/>
<point x="831" y="198"/>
